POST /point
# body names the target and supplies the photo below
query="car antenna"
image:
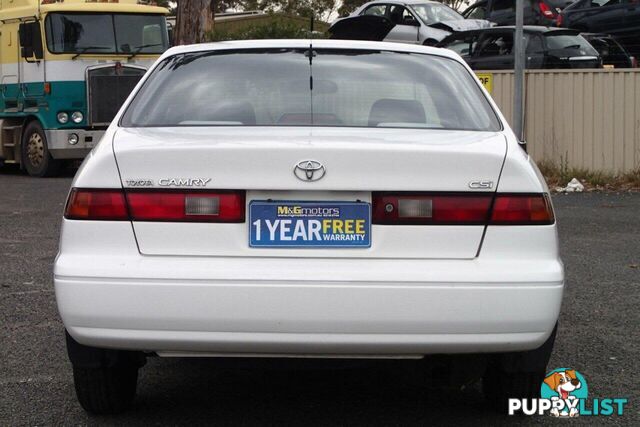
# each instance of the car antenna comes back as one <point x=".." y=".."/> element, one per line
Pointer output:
<point x="311" y="54"/>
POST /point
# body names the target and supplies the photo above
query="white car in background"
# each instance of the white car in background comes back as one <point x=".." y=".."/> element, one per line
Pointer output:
<point x="404" y="21"/>
<point x="307" y="198"/>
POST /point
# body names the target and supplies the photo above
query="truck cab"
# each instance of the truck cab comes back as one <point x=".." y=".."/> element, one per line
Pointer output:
<point x="66" y="67"/>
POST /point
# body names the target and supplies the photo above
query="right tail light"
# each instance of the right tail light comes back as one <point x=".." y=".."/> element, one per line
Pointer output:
<point x="462" y="209"/>
<point x="522" y="209"/>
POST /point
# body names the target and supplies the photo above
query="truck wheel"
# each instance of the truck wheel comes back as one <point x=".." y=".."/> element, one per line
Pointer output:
<point x="516" y="375"/>
<point x="106" y="390"/>
<point x="35" y="153"/>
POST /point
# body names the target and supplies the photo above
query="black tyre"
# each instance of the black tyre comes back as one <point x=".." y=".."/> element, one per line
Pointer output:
<point x="35" y="153"/>
<point x="106" y="390"/>
<point x="498" y="387"/>
<point x="105" y="379"/>
<point x="516" y="375"/>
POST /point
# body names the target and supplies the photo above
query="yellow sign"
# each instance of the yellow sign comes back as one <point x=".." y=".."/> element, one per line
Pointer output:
<point x="487" y="81"/>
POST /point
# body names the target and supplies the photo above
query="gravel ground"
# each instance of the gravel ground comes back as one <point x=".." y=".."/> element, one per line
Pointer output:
<point x="598" y="335"/>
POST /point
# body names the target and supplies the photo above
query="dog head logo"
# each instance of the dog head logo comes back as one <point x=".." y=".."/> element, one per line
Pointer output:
<point x="563" y="383"/>
<point x="564" y="387"/>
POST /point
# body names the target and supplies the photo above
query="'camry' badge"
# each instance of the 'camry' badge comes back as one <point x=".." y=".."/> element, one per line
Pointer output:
<point x="184" y="182"/>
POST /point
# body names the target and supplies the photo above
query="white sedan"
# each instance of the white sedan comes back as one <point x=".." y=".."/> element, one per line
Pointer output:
<point x="307" y="198"/>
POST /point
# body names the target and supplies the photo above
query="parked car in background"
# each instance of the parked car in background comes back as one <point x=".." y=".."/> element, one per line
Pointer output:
<point x="620" y="18"/>
<point x="503" y="12"/>
<point x="492" y="48"/>
<point x="612" y="53"/>
<point x="409" y="21"/>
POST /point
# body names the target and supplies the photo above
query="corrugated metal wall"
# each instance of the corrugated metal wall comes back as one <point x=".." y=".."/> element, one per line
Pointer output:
<point x="591" y="118"/>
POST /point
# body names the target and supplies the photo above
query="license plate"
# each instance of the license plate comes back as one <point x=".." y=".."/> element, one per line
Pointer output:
<point x="309" y="224"/>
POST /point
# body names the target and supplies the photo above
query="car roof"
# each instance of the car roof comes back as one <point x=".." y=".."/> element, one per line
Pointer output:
<point x="408" y="2"/>
<point x="304" y="43"/>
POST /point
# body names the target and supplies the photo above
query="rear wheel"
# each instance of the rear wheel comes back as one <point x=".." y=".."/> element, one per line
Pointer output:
<point x="516" y="375"/>
<point x="36" y="157"/>
<point x="105" y="380"/>
<point x="106" y="390"/>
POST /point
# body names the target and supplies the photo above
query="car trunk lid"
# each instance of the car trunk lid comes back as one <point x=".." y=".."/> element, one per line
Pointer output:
<point x="261" y="160"/>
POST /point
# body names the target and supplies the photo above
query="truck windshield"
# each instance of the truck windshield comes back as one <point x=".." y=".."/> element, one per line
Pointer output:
<point x="105" y="33"/>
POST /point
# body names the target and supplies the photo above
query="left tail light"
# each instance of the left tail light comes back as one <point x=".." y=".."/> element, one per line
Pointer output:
<point x="167" y="206"/>
<point x="105" y="205"/>
<point x="196" y="206"/>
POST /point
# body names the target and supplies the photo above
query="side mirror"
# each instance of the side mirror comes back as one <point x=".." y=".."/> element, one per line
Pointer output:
<point x="30" y="40"/>
<point x="410" y="20"/>
<point x="26" y="51"/>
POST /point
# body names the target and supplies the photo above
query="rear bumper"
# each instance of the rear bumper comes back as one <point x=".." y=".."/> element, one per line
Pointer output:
<point x="323" y="317"/>
<point x="109" y="295"/>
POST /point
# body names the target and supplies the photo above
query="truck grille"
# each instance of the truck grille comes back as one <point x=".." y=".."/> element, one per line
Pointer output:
<point x="108" y="88"/>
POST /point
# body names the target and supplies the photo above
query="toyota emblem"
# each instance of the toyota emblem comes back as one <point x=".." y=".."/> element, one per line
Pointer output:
<point x="309" y="170"/>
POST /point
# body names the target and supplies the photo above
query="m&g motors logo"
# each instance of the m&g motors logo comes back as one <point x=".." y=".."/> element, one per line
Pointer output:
<point x="300" y="211"/>
<point x="564" y="393"/>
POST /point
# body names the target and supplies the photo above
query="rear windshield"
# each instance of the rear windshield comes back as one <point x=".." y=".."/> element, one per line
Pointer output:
<point x="570" y="42"/>
<point x="294" y="87"/>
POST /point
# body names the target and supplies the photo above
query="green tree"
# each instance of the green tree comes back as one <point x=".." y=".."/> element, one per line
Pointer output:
<point x="349" y="6"/>
<point x="321" y="9"/>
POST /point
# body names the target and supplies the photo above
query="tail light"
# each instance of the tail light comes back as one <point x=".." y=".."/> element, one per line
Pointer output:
<point x="546" y="10"/>
<point x="169" y="206"/>
<point x="437" y="209"/>
<point x="96" y="205"/>
<point x="461" y="209"/>
<point x="559" y="20"/>
<point x="522" y="209"/>
<point x="186" y="206"/>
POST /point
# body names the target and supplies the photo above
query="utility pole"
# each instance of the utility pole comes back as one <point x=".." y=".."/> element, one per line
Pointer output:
<point x="518" y="89"/>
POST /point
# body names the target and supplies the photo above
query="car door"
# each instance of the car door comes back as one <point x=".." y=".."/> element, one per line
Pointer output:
<point x="406" y="28"/>
<point x="494" y="51"/>
<point x="461" y="43"/>
<point x="502" y="12"/>
<point x="606" y="16"/>
<point x="534" y="51"/>
<point x="632" y="18"/>
<point x="376" y="9"/>
<point x="477" y="11"/>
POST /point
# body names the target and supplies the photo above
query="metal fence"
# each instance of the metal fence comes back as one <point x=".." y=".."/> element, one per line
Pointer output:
<point x="587" y="118"/>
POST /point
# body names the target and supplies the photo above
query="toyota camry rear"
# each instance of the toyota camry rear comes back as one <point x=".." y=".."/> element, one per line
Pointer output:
<point x="298" y="198"/>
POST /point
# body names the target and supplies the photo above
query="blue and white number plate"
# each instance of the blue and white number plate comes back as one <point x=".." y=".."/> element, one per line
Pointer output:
<point x="309" y="224"/>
